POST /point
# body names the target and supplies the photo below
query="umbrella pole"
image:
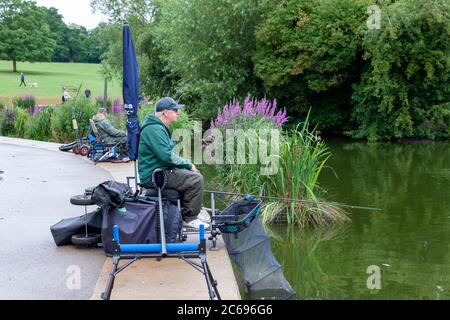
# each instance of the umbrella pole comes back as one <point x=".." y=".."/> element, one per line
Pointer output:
<point x="135" y="176"/>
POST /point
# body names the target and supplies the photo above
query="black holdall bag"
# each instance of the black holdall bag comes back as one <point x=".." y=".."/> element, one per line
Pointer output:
<point x="111" y="193"/>
<point x="64" y="230"/>
<point x="137" y="221"/>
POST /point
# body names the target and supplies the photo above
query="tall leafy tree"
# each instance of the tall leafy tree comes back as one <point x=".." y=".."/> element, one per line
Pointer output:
<point x="209" y="44"/>
<point x="156" y="78"/>
<point x="24" y="33"/>
<point x="118" y="10"/>
<point x="406" y="89"/>
<point x="77" y="40"/>
<point x="93" y="46"/>
<point x="58" y="32"/>
<point x="308" y="54"/>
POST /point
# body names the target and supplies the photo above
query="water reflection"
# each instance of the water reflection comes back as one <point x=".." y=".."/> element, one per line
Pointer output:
<point x="409" y="240"/>
<point x="297" y="252"/>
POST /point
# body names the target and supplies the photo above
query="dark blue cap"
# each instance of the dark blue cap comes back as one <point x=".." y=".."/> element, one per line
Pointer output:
<point x="167" y="104"/>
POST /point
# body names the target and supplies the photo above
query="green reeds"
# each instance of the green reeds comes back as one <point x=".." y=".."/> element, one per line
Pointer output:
<point x="302" y="157"/>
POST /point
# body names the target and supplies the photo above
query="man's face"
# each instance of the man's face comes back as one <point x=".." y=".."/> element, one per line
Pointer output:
<point x="172" y="115"/>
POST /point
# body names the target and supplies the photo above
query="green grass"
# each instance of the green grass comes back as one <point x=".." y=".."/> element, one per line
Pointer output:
<point x="51" y="77"/>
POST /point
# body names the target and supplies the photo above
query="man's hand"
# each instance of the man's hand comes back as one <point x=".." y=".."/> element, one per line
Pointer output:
<point x="194" y="168"/>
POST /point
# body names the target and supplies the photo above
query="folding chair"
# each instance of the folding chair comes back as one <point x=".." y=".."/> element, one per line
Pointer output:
<point x="99" y="143"/>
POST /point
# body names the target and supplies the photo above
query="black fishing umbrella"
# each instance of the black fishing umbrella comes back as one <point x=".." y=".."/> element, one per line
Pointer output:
<point x="131" y="90"/>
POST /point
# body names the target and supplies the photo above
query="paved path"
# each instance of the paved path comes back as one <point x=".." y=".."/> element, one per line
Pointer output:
<point x="35" y="187"/>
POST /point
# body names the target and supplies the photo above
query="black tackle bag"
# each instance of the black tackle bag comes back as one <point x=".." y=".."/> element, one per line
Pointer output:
<point x="137" y="221"/>
<point x="64" y="230"/>
<point x="111" y="193"/>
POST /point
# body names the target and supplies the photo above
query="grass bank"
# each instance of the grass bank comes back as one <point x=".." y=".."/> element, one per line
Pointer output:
<point x="50" y="79"/>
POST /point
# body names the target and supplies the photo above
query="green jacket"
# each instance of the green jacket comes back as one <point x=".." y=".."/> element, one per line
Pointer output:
<point x="107" y="131"/>
<point x="157" y="150"/>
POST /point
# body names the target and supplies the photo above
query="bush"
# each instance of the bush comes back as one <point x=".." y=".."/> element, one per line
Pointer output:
<point x="435" y="122"/>
<point x="40" y="126"/>
<point x="22" y="121"/>
<point x="99" y="103"/>
<point x="408" y="71"/>
<point x="207" y="46"/>
<point x="27" y="101"/>
<point x="80" y="109"/>
<point x="184" y="120"/>
<point x="118" y="120"/>
<point x="7" y="116"/>
<point x="301" y="157"/>
<point x="144" y="111"/>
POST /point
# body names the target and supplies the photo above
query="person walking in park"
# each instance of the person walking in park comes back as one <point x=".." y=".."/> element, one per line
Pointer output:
<point x="22" y="80"/>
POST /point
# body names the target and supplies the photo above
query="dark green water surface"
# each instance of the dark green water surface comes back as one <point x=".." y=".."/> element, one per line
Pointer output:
<point x="409" y="240"/>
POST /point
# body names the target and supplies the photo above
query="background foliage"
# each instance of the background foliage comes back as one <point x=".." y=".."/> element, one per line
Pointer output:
<point x="376" y="84"/>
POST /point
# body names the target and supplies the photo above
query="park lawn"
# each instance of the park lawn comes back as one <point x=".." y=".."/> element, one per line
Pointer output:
<point x="50" y="79"/>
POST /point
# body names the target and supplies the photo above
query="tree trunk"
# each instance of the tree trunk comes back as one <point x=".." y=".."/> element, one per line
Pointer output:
<point x="105" y="95"/>
<point x="14" y="65"/>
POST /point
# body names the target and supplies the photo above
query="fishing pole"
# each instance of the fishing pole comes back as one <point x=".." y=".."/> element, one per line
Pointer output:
<point x="337" y="204"/>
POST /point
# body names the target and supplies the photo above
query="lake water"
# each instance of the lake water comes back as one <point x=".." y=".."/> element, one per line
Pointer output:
<point x="408" y="241"/>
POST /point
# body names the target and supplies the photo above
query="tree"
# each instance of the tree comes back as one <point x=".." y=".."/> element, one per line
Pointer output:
<point x="308" y="53"/>
<point x="93" y="46"/>
<point x="405" y="90"/>
<point x="77" y="40"/>
<point x="58" y="31"/>
<point x="209" y="44"/>
<point x="24" y="33"/>
<point x="118" y="10"/>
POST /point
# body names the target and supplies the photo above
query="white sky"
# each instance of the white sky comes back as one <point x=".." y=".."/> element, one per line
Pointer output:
<point x="75" y="11"/>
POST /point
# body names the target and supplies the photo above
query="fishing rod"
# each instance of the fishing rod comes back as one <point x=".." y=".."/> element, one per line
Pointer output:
<point x="337" y="204"/>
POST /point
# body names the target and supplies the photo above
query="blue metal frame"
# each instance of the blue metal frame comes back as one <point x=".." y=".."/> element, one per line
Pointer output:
<point x="158" y="248"/>
<point x="182" y="251"/>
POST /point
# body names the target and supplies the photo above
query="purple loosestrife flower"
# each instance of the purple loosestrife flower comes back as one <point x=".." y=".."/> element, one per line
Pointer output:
<point x="276" y="120"/>
<point x="236" y="111"/>
<point x="258" y="109"/>
<point x="232" y="113"/>
<point x="248" y="107"/>
<point x="261" y="109"/>
<point x="219" y="119"/>
<point x="116" y="106"/>
<point x="284" y="119"/>
<point x="281" y="118"/>
<point x="226" y="112"/>
<point x="265" y="107"/>
<point x="213" y="126"/>
<point x="274" y="108"/>
<point x="29" y="97"/>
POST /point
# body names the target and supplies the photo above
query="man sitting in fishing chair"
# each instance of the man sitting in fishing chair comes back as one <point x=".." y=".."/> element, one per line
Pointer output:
<point x="157" y="150"/>
<point x="109" y="134"/>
